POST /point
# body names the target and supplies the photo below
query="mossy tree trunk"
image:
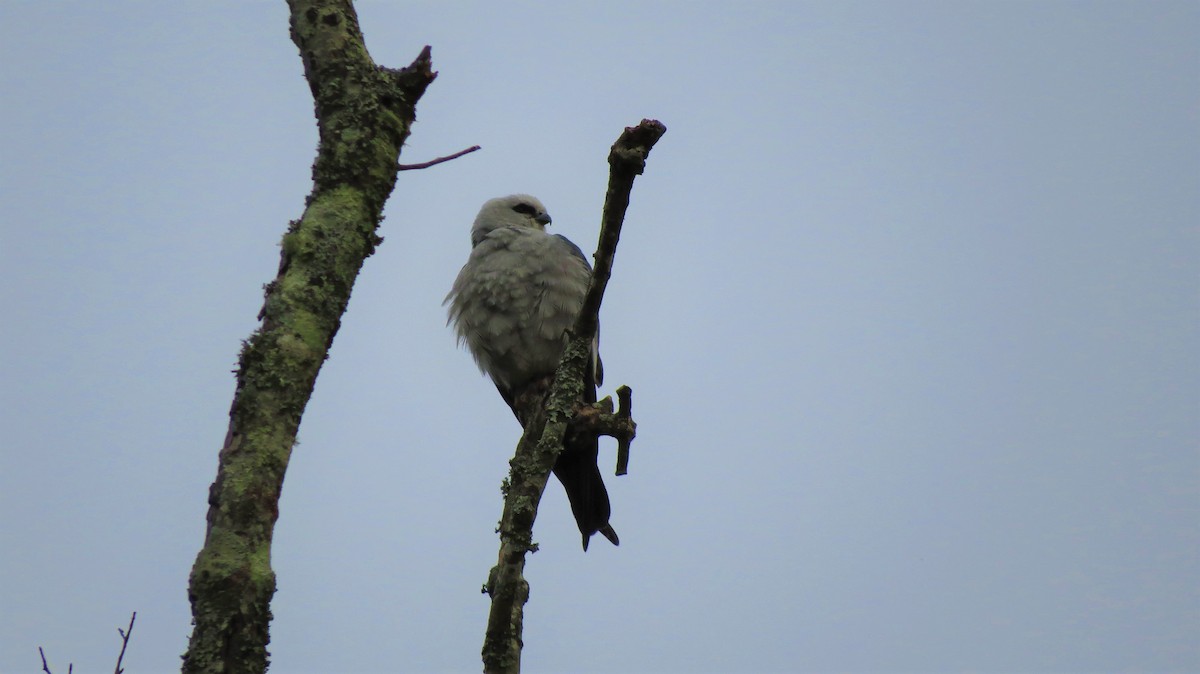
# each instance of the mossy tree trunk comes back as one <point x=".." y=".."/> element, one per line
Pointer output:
<point x="364" y="113"/>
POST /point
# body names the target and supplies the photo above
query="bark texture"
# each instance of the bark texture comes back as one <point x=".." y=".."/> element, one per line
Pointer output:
<point x="542" y="440"/>
<point x="364" y="113"/>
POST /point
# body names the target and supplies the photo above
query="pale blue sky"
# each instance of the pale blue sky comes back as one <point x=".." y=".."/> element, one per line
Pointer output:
<point x="909" y="298"/>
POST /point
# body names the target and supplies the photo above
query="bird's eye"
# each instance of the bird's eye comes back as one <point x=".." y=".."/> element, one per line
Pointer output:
<point x="525" y="209"/>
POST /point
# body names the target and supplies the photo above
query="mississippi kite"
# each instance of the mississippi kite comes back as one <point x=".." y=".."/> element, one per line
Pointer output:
<point x="519" y="291"/>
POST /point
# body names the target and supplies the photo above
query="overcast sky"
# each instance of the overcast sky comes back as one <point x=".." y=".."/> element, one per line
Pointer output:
<point x="909" y="299"/>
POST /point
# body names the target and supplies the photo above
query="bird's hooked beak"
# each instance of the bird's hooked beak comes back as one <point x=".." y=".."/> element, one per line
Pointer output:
<point x="542" y="219"/>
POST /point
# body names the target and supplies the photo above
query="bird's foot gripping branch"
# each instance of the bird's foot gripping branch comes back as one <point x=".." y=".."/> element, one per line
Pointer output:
<point x="598" y="419"/>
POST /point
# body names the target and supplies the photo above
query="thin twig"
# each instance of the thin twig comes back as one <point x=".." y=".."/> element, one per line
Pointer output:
<point x="46" y="667"/>
<point x="435" y="162"/>
<point x="124" y="642"/>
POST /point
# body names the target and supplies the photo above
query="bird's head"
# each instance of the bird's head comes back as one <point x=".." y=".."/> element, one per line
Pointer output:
<point x="515" y="210"/>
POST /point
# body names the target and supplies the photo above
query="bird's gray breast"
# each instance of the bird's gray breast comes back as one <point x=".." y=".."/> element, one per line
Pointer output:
<point x="513" y="300"/>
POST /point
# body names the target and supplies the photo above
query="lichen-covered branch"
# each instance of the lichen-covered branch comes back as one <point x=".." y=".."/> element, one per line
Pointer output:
<point x="364" y="113"/>
<point x="542" y="441"/>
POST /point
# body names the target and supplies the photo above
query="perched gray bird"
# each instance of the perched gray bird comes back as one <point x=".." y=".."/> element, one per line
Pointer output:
<point x="519" y="291"/>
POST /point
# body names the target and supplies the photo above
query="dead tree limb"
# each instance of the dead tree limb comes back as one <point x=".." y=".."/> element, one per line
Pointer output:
<point x="125" y="634"/>
<point x="46" y="667"/>
<point x="543" y="438"/>
<point x="364" y="113"/>
<point x="439" y="160"/>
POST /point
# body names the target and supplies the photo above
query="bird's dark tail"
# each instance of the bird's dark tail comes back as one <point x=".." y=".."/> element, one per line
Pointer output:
<point x="576" y="469"/>
<point x="576" y="466"/>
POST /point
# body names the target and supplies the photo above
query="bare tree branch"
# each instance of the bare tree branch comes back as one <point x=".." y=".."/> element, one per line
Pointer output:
<point x="124" y="642"/>
<point x="45" y="667"/>
<point x="439" y="160"/>
<point x="543" y="438"/>
<point x="625" y="395"/>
